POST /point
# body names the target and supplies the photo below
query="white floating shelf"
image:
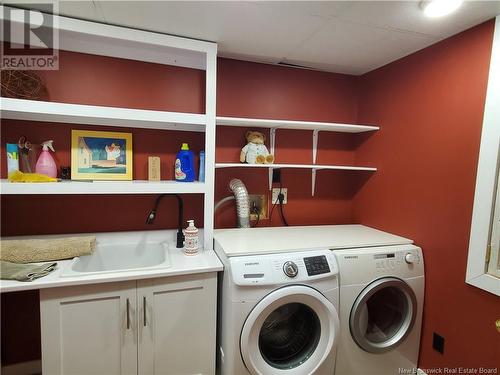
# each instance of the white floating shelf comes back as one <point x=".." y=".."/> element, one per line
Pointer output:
<point x="297" y="125"/>
<point x="300" y="166"/>
<point x="312" y="167"/>
<point x="103" y="187"/>
<point x="34" y="110"/>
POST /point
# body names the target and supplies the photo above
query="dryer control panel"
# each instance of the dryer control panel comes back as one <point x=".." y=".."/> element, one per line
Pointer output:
<point x="275" y="269"/>
<point x="363" y="265"/>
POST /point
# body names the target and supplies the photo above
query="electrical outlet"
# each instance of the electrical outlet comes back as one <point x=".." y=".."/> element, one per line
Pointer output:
<point x="276" y="191"/>
<point x="260" y="202"/>
<point x="438" y="342"/>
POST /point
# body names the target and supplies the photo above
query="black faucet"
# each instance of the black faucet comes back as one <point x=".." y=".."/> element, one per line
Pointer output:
<point x="152" y="215"/>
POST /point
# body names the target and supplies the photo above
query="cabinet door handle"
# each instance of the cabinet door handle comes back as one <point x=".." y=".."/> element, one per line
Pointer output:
<point x="144" y="311"/>
<point x="128" y="314"/>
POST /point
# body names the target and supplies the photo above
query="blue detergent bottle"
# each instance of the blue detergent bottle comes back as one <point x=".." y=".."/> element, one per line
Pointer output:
<point x="184" y="165"/>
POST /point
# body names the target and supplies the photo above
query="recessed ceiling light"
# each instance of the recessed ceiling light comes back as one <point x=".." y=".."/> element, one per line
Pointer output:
<point x="440" y="8"/>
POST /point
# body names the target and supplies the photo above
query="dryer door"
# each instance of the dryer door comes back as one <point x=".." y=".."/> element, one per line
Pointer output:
<point x="293" y="329"/>
<point x="383" y="315"/>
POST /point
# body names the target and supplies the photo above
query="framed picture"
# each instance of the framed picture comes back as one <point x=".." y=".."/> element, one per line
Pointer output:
<point x="97" y="155"/>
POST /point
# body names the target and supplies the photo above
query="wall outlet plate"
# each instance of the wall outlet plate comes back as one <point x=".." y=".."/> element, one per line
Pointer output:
<point x="276" y="191"/>
<point x="438" y="342"/>
<point x="259" y="200"/>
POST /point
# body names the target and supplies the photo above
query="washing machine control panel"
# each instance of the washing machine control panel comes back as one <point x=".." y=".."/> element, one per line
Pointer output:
<point x="316" y="265"/>
<point x="272" y="269"/>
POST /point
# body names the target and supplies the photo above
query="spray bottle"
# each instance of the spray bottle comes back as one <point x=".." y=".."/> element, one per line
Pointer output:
<point x="46" y="164"/>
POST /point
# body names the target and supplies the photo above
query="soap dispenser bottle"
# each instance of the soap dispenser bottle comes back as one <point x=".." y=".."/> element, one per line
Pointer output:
<point x="46" y="164"/>
<point x="191" y="239"/>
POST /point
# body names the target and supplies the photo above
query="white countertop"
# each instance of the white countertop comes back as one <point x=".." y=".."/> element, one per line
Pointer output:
<point x="181" y="264"/>
<point x="254" y="241"/>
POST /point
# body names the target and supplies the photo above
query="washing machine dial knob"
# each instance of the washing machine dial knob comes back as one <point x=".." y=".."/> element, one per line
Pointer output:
<point x="410" y="258"/>
<point x="290" y="269"/>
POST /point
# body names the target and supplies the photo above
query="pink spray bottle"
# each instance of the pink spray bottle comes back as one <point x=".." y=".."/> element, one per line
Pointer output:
<point x="46" y="164"/>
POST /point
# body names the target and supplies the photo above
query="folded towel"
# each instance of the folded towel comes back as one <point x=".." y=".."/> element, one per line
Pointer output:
<point x="25" y="272"/>
<point x="41" y="250"/>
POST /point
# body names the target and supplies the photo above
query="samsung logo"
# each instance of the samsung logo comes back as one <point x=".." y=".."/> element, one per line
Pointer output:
<point x="350" y="257"/>
<point x="252" y="264"/>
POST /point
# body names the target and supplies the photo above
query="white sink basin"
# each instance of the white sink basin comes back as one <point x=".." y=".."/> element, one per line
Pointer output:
<point x="110" y="258"/>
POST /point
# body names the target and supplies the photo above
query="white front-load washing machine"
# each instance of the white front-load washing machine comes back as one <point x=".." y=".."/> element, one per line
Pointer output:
<point x="278" y="314"/>
<point x="381" y="303"/>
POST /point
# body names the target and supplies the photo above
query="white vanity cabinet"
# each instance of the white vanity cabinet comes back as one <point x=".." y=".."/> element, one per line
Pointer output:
<point x="87" y="330"/>
<point x="152" y="326"/>
<point x="177" y="325"/>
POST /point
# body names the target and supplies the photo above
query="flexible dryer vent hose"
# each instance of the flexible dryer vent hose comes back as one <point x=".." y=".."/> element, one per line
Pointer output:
<point x="242" y="202"/>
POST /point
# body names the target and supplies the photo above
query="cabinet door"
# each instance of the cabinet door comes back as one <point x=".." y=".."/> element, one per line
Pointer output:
<point x="177" y="324"/>
<point x="89" y="329"/>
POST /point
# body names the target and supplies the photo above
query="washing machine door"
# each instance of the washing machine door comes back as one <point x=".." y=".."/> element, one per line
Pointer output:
<point x="383" y="315"/>
<point x="292" y="330"/>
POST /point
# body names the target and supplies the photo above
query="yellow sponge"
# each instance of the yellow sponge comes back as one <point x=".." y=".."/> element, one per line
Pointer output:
<point x="18" y="176"/>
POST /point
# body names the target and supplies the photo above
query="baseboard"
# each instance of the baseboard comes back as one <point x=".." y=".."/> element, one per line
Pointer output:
<point x="23" y="368"/>
<point x="421" y="372"/>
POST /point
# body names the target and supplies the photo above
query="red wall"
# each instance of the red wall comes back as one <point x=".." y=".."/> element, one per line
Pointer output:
<point x="100" y="80"/>
<point x="430" y="107"/>
<point x="264" y="91"/>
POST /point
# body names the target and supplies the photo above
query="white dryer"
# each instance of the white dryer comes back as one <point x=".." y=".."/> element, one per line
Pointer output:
<point x="381" y="303"/>
<point x="278" y="313"/>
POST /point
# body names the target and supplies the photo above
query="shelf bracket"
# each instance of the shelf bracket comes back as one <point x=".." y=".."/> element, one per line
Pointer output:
<point x="272" y="139"/>
<point x="313" y="182"/>
<point x="315" y="146"/>
<point x="271" y="178"/>
<point x="272" y="143"/>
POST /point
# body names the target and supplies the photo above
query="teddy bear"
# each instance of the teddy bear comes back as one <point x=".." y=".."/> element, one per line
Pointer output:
<point x="255" y="151"/>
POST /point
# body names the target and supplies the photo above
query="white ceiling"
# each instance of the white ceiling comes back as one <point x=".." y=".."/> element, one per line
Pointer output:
<point x="351" y="37"/>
